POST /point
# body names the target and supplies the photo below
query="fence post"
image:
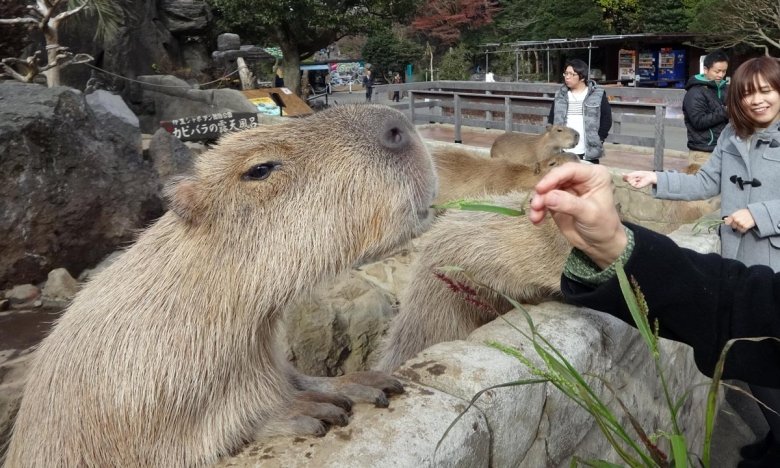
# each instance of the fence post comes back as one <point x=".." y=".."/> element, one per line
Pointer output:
<point x="660" y="115"/>
<point x="507" y="114"/>
<point x="488" y="114"/>
<point x="457" y="118"/>
<point x="411" y="106"/>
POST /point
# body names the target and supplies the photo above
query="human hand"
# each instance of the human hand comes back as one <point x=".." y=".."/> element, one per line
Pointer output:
<point x="741" y="220"/>
<point x="580" y="201"/>
<point x="640" y="179"/>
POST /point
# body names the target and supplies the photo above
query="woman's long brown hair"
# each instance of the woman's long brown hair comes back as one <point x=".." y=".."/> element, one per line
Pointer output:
<point x="744" y="82"/>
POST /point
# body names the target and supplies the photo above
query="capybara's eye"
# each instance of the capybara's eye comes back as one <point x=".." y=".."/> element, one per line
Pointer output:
<point x="260" y="171"/>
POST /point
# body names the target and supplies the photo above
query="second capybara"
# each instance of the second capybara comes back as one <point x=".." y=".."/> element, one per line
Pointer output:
<point x="507" y="254"/>
<point x="462" y="174"/>
<point x="169" y="357"/>
<point x="528" y="148"/>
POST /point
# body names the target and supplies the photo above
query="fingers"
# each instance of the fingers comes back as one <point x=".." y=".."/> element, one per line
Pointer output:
<point x="571" y="175"/>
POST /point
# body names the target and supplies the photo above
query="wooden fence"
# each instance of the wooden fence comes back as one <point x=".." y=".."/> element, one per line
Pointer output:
<point x="523" y="107"/>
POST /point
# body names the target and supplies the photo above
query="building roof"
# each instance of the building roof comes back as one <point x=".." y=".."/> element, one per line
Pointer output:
<point x="587" y="42"/>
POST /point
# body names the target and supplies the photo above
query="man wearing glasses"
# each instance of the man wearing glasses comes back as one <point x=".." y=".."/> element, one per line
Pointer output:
<point x="582" y="106"/>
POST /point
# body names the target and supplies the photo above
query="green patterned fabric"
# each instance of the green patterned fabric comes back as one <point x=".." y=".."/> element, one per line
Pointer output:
<point x="580" y="268"/>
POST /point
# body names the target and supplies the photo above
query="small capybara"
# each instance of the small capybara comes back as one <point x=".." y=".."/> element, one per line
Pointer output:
<point x="508" y="254"/>
<point x="169" y="356"/>
<point x="528" y="148"/>
<point x="463" y="174"/>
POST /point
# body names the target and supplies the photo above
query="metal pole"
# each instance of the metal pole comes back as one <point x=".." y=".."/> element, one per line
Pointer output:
<point x="660" y="115"/>
<point x="548" y="65"/>
<point x="411" y="106"/>
<point x="590" y="71"/>
<point x="457" y="119"/>
<point x="507" y="114"/>
<point x="486" y="61"/>
<point x="517" y="66"/>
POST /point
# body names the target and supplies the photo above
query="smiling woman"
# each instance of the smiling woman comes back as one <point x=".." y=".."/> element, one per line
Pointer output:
<point x="748" y="149"/>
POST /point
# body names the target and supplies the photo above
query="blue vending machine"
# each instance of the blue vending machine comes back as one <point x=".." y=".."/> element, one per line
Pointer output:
<point x="646" y="67"/>
<point x="672" y="67"/>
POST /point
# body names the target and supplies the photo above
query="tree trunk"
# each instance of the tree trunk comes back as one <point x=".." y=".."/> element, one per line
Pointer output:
<point x="291" y="64"/>
<point x="52" y="39"/>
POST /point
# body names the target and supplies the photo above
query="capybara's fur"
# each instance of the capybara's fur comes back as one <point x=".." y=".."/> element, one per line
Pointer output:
<point x="528" y="148"/>
<point x="463" y="174"/>
<point x="508" y="254"/>
<point x="169" y="357"/>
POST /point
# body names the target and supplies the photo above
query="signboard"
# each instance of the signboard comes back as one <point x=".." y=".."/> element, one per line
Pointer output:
<point x="269" y="101"/>
<point x="210" y="127"/>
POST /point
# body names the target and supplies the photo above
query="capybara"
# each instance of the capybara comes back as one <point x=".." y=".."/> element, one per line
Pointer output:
<point x="508" y="254"/>
<point x="169" y="356"/>
<point x="528" y="148"/>
<point x="463" y="174"/>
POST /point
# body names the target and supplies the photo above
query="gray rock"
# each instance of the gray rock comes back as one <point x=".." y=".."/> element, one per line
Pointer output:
<point x="169" y="155"/>
<point x="228" y="41"/>
<point x="185" y="17"/>
<point x="23" y="294"/>
<point x="165" y="97"/>
<point x="72" y="187"/>
<point x="60" y="286"/>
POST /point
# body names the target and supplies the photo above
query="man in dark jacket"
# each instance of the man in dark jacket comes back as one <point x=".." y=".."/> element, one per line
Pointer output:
<point x="704" y="108"/>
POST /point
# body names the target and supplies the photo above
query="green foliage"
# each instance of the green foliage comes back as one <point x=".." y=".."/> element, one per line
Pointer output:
<point x="546" y="19"/>
<point x="455" y="64"/>
<point x="386" y="52"/>
<point x="309" y="24"/>
<point x="664" y="16"/>
<point x="621" y="16"/>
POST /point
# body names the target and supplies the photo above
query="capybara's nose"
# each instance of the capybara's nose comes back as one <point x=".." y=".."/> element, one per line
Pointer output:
<point x="395" y="134"/>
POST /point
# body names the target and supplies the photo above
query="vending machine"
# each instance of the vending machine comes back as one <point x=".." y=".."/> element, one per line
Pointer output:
<point x="626" y="65"/>
<point x="672" y="67"/>
<point x="646" y="66"/>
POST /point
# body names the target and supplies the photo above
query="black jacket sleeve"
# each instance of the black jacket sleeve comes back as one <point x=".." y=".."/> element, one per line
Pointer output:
<point x="605" y="124"/>
<point x="701" y="300"/>
<point x="702" y="112"/>
<point x="551" y="117"/>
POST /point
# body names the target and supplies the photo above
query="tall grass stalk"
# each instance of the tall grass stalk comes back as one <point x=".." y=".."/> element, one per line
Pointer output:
<point x="634" y="446"/>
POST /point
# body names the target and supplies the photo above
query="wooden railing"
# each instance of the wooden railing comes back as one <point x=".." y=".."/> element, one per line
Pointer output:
<point x="524" y="108"/>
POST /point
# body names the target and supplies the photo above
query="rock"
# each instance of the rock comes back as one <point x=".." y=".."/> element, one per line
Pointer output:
<point x="60" y="286"/>
<point x="73" y="186"/>
<point x="169" y="155"/>
<point x="23" y="294"/>
<point x="228" y="41"/>
<point x="185" y="17"/>
<point x="165" y="97"/>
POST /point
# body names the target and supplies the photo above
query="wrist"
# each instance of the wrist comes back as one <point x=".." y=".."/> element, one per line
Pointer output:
<point x="605" y="253"/>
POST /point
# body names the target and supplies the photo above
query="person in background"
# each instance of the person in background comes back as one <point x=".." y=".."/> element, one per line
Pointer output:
<point x="397" y="92"/>
<point x="744" y="169"/>
<point x="368" y="82"/>
<point x="583" y="106"/>
<point x="704" y="107"/>
<point x="703" y="300"/>
<point x="278" y="77"/>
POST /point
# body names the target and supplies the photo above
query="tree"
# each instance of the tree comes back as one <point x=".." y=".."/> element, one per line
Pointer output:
<point x="621" y="16"/>
<point x="545" y="19"/>
<point x="663" y="16"/>
<point x="445" y="20"/>
<point x="455" y="64"/>
<point x="46" y="16"/>
<point x="386" y="51"/>
<point x="731" y="22"/>
<point x="302" y="27"/>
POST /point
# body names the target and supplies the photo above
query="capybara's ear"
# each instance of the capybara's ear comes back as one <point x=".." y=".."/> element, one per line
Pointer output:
<point x="183" y="198"/>
<point x="548" y="126"/>
<point x="537" y="168"/>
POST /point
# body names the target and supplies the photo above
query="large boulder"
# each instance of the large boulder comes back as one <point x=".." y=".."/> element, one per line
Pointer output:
<point x="163" y="97"/>
<point x="73" y="182"/>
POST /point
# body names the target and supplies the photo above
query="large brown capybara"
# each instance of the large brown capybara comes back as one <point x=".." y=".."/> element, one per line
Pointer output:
<point x="463" y="174"/>
<point x="528" y="148"/>
<point x="169" y="357"/>
<point x="508" y="254"/>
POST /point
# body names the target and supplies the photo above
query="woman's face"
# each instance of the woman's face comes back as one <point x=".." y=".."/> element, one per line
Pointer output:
<point x="762" y="105"/>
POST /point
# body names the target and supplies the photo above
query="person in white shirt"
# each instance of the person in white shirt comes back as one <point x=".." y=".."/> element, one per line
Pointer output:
<point x="583" y="106"/>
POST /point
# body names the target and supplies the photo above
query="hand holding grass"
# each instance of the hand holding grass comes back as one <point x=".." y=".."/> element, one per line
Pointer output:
<point x="580" y="201"/>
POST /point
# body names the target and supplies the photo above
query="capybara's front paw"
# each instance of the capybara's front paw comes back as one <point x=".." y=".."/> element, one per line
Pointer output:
<point x="362" y="387"/>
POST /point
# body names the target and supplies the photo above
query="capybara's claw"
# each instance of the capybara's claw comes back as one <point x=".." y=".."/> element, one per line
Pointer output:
<point x="381" y="402"/>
